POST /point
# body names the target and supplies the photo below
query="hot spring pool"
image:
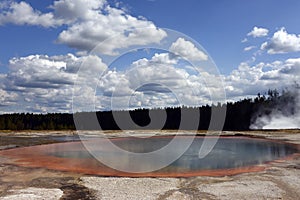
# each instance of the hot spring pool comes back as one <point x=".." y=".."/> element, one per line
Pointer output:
<point x="230" y="155"/>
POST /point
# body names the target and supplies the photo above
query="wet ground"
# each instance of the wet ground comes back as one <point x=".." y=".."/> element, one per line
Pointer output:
<point x="280" y="180"/>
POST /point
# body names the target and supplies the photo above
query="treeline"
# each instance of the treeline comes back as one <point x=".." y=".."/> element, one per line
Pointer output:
<point x="29" y="121"/>
<point x="239" y="116"/>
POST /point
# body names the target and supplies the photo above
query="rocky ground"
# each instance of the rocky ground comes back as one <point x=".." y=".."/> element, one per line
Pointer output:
<point x="281" y="180"/>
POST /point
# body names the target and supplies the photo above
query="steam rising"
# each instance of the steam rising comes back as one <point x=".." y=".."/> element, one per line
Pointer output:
<point x="282" y="112"/>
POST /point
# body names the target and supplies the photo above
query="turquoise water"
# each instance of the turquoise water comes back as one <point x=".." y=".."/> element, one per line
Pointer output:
<point x="227" y="153"/>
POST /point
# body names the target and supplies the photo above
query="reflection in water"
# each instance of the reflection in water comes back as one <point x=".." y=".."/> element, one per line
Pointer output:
<point x="227" y="153"/>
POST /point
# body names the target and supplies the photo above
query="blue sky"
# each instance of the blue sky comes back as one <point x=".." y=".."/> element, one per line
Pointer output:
<point x="44" y="34"/>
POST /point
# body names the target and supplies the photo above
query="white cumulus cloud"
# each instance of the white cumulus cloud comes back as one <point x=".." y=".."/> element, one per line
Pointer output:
<point x="87" y="23"/>
<point x="249" y="48"/>
<point x="249" y="80"/>
<point x="258" y="32"/>
<point x="282" y="42"/>
<point x="244" y="40"/>
<point x="187" y="50"/>
<point x="23" y="14"/>
<point x="72" y="10"/>
<point x="42" y="83"/>
<point x="47" y="82"/>
<point x="92" y="22"/>
<point x="154" y="82"/>
<point x="7" y="98"/>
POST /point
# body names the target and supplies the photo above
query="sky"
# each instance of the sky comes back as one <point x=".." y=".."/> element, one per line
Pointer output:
<point x="210" y="51"/>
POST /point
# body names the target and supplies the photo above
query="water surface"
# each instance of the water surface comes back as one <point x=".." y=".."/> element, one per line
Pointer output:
<point x="229" y="153"/>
